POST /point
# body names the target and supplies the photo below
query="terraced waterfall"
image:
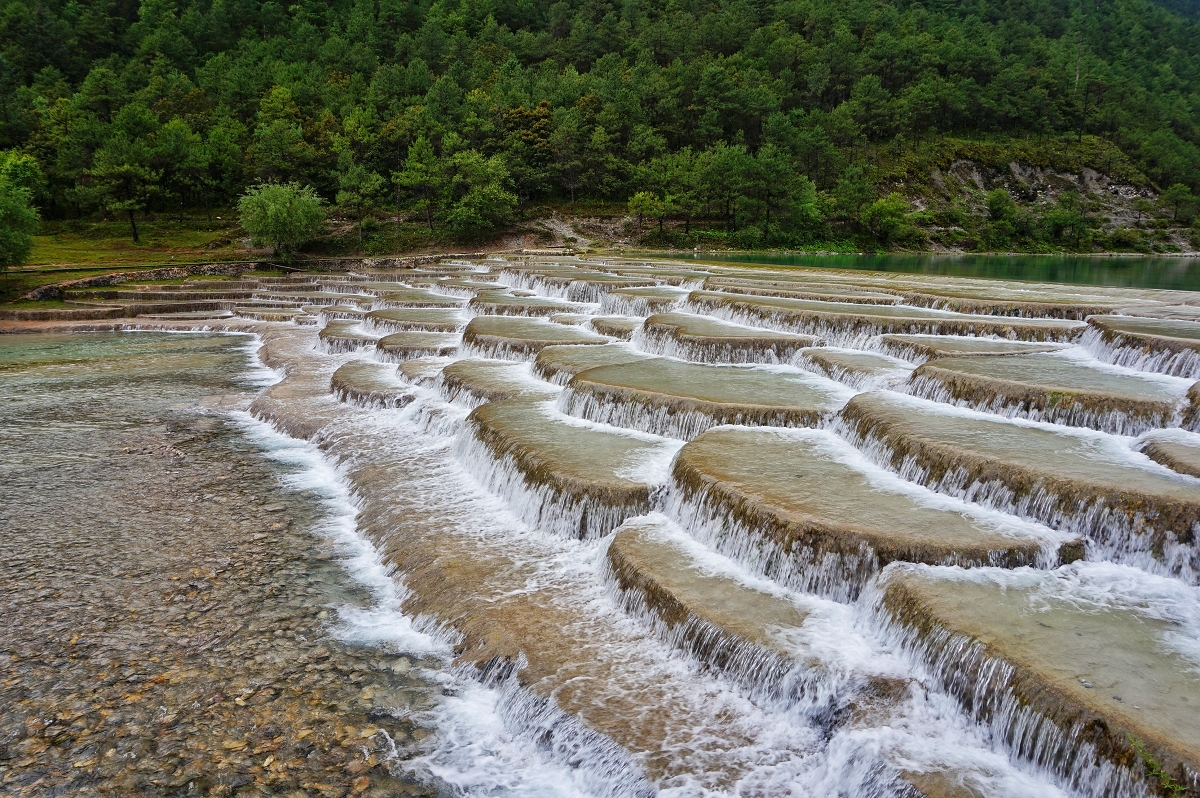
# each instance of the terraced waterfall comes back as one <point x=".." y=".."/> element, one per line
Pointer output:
<point x="726" y="531"/>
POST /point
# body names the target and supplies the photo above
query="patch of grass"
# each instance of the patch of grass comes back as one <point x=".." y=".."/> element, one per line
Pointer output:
<point x="1168" y="784"/>
<point x="163" y="240"/>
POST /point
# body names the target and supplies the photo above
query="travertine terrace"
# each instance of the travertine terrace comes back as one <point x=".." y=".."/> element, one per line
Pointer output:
<point x="755" y="531"/>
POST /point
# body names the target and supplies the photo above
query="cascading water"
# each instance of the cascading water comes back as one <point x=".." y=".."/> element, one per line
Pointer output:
<point x="602" y="587"/>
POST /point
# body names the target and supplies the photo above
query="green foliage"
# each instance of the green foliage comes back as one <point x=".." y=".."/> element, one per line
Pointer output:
<point x="1182" y="202"/>
<point x="474" y="199"/>
<point x="794" y="118"/>
<point x="281" y="215"/>
<point x="1170" y="785"/>
<point x="18" y="217"/>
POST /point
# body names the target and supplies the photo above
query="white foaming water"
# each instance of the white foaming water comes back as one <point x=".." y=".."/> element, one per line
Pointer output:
<point x="491" y="740"/>
<point x="480" y="745"/>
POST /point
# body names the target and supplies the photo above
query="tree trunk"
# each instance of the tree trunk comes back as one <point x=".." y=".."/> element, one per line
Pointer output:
<point x="133" y="226"/>
<point x="687" y="225"/>
<point x="660" y="227"/>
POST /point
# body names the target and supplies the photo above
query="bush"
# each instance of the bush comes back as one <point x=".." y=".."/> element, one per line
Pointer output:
<point x="18" y="222"/>
<point x="281" y="215"/>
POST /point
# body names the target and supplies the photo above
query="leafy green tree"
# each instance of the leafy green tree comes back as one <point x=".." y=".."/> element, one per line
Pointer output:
<point x="421" y="177"/>
<point x="855" y="188"/>
<point x="281" y="215"/>
<point x="886" y="218"/>
<point x="18" y="221"/>
<point x="123" y="178"/>
<point x="179" y="156"/>
<point x="647" y="203"/>
<point x="1182" y="202"/>
<point x="360" y="190"/>
<point x="475" y="200"/>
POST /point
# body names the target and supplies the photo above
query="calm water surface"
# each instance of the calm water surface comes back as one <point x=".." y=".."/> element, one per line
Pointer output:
<point x="1129" y="272"/>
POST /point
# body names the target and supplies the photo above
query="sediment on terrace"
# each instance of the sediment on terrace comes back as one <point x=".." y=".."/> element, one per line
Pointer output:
<point x="344" y="336"/>
<point x="369" y="384"/>
<point x="1176" y="449"/>
<point x="329" y="312"/>
<point x="426" y="319"/>
<point x="1072" y="681"/>
<point x="1077" y="481"/>
<point x="559" y="476"/>
<point x="800" y="290"/>
<point x="571" y="284"/>
<point x="681" y="400"/>
<point x="847" y="323"/>
<point x="496" y="303"/>
<point x="424" y="370"/>
<point x="858" y="369"/>
<point x="417" y="299"/>
<point x="517" y="338"/>
<point x="621" y="328"/>
<point x="415" y="343"/>
<point x="696" y="337"/>
<point x="1168" y="346"/>
<point x="803" y="509"/>
<point x="1048" y="387"/>
<point x="474" y="381"/>
<point x="744" y="631"/>
<point x="642" y="301"/>
<point x="919" y="348"/>
<point x="558" y="364"/>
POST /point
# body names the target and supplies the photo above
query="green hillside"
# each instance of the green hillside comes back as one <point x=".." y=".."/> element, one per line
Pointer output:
<point x="992" y="124"/>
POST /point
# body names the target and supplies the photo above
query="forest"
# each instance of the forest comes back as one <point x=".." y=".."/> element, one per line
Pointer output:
<point x="738" y="123"/>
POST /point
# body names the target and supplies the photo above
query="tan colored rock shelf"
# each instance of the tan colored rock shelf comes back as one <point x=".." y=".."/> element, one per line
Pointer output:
<point x="681" y="400"/>
<point x="518" y="338"/>
<point x="1085" y="482"/>
<point x="804" y="509"/>
<point x="1068" y="668"/>
<point x="370" y="384"/>
<point x="844" y="322"/>
<point x="415" y="343"/>
<point x="558" y="364"/>
<point x="560" y="476"/>
<point x="1051" y="387"/>
<point x="702" y="338"/>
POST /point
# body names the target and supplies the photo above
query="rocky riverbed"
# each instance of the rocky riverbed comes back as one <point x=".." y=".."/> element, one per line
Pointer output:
<point x="171" y="609"/>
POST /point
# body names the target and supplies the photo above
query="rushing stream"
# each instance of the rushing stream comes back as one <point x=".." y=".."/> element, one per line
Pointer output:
<point x="612" y="528"/>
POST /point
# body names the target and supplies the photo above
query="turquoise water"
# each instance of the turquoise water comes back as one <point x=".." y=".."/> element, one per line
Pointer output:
<point x="1131" y="272"/>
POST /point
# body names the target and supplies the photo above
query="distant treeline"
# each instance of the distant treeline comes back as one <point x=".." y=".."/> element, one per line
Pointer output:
<point x="777" y="115"/>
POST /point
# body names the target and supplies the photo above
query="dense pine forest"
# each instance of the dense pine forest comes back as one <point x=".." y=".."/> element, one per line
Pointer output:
<point x="962" y="124"/>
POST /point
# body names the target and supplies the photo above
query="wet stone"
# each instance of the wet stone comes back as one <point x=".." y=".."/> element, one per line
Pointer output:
<point x="702" y="338"/>
<point x="558" y="364"/>
<point x="811" y="513"/>
<point x="1176" y="449"/>
<point x="427" y="319"/>
<point x="496" y="303"/>
<point x="919" y="348"/>
<point x="681" y="400"/>
<point x="474" y="381"/>
<point x="853" y="367"/>
<point x="167" y="624"/>
<point x="846" y="323"/>
<point x="516" y="338"/>
<point x="620" y="327"/>
<point x="1072" y="668"/>
<point x="345" y="336"/>
<point x="570" y="477"/>
<point x="1056" y="388"/>
<point x="370" y="384"/>
<point x="1168" y="346"/>
<point x="1088" y="483"/>
<point x="415" y="343"/>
